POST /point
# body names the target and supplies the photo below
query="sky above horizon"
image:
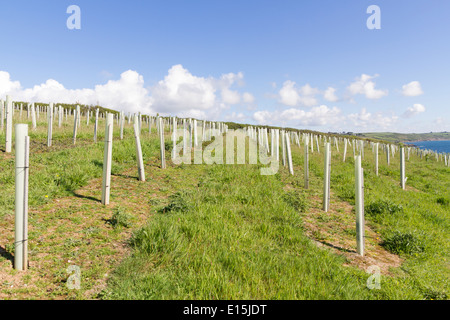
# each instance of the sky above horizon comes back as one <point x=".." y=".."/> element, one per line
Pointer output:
<point x="311" y="64"/>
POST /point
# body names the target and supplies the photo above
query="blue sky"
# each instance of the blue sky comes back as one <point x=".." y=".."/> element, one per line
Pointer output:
<point x="307" y="64"/>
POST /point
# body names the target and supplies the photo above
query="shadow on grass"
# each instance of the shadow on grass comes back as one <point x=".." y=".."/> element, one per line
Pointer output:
<point x="124" y="176"/>
<point x="335" y="247"/>
<point x="85" y="197"/>
<point x="5" y="254"/>
<point x="100" y="165"/>
<point x="108" y="221"/>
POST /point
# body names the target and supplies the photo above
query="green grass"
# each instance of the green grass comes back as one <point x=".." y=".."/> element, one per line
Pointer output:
<point x="226" y="231"/>
<point x="239" y="235"/>
<point x="228" y="241"/>
<point x="412" y="223"/>
<point x="121" y="218"/>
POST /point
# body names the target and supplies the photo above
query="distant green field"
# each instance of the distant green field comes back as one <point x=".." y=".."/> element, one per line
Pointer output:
<point x="406" y="137"/>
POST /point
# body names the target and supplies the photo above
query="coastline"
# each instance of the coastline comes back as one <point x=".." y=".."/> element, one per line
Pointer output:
<point x="433" y="145"/>
<point x="397" y="137"/>
<point x="425" y="140"/>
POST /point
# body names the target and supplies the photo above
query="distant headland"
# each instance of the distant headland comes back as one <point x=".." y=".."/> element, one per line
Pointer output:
<point x="406" y="137"/>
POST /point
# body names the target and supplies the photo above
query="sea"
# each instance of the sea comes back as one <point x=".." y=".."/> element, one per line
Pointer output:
<point x="440" y="146"/>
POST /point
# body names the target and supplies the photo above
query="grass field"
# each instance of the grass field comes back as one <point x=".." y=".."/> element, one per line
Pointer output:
<point x="220" y="231"/>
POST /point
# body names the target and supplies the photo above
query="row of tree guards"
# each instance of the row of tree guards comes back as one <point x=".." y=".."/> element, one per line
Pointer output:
<point x="191" y="137"/>
<point x="7" y="112"/>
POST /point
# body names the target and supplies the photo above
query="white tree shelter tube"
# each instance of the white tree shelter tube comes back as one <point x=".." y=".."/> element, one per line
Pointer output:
<point x="140" y="161"/>
<point x="306" y="163"/>
<point x="162" y="146"/>
<point x="50" y="125"/>
<point x="326" y="182"/>
<point x="288" y="154"/>
<point x="106" y="186"/>
<point x="359" y="206"/>
<point x="21" y="196"/>
<point x="8" y="132"/>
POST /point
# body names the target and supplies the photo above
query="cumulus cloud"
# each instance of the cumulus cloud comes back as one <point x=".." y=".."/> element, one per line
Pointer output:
<point x="179" y="93"/>
<point x="6" y="85"/>
<point x="412" y="89"/>
<point x="414" y="110"/>
<point x="316" y="116"/>
<point x="307" y="96"/>
<point x="365" y="86"/>
<point x="228" y="79"/>
<point x="230" y="96"/>
<point x="330" y="95"/>
<point x="291" y="96"/>
<point x="185" y="94"/>
<point x="180" y="90"/>
<point x="288" y="94"/>
<point x="264" y="117"/>
<point x="377" y="120"/>
<point x="324" y="116"/>
<point x="127" y="93"/>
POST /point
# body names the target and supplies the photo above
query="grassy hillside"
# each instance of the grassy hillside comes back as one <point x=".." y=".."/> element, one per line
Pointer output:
<point x="221" y="231"/>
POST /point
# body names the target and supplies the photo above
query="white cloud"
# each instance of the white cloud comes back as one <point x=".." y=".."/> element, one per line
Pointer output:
<point x="228" y="79"/>
<point x="289" y="95"/>
<point x="127" y="93"/>
<point x="180" y="90"/>
<point x="185" y="94"/>
<point x="230" y="96"/>
<point x="179" y="93"/>
<point x="414" y="110"/>
<point x="6" y="85"/>
<point x="307" y="90"/>
<point x="264" y="117"/>
<point x="377" y="120"/>
<point x="412" y="89"/>
<point x="234" y="97"/>
<point x="330" y="95"/>
<point x="365" y="86"/>
<point x="316" y="116"/>
<point x="307" y="96"/>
